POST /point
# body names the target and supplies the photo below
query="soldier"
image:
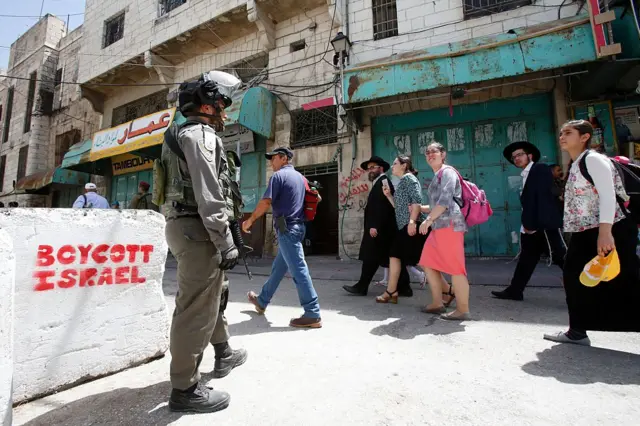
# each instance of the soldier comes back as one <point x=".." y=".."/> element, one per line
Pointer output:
<point x="193" y="183"/>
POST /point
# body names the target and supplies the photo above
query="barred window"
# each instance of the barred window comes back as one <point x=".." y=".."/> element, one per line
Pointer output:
<point x="22" y="162"/>
<point x="318" y="126"/>
<point x="31" y="95"/>
<point x="477" y="8"/>
<point x="143" y="106"/>
<point x="167" y="6"/>
<point x="113" y="30"/>
<point x="385" y="19"/>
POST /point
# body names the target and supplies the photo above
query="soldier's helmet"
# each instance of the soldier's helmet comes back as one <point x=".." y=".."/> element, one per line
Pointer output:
<point x="211" y="87"/>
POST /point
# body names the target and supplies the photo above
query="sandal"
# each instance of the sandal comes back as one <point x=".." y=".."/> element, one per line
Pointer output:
<point x="456" y="316"/>
<point x="437" y="311"/>
<point x="391" y="299"/>
<point x="449" y="293"/>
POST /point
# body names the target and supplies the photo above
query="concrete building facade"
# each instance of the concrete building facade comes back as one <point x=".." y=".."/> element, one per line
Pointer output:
<point x="42" y="117"/>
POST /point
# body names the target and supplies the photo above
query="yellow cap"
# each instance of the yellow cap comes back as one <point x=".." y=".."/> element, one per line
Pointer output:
<point x="600" y="269"/>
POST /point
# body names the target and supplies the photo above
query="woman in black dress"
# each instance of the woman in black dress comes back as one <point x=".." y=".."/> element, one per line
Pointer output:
<point x="407" y="242"/>
<point x="598" y="225"/>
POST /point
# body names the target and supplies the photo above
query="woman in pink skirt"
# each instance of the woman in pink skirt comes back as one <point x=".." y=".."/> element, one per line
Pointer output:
<point x="444" y="249"/>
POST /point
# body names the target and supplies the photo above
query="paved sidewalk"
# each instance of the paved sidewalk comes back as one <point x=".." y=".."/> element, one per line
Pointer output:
<point x="490" y="272"/>
<point x="375" y="365"/>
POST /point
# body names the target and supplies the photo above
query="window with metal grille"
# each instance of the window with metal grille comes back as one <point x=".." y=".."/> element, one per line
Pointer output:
<point x="318" y="126"/>
<point x="385" y="19"/>
<point x="64" y="142"/>
<point x="167" y="6"/>
<point x="477" y="8"/>
<point x="113" y="30"/>
<point x="318" y="169"/>
<point x="3" y="165"/>
<point x="7" y="117"/>
<point x="31" y="95"/>
<point x="22" y="162"/>
<point x="136" y="109"/>
<point x="58" y="78"/>
<point x="246" y="70"/>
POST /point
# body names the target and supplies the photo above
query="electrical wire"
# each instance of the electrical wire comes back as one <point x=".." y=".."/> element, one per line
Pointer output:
<point x="38" y="17"/>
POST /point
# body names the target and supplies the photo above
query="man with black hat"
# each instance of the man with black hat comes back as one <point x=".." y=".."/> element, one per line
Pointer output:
<point x="285" y="196"/>
<point x="541" y="218"/>
<point x="379" y="227"/>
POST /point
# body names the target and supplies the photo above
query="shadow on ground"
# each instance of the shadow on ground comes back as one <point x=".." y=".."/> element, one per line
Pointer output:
<point x="541" y="306"/>
<point x="127" y="406"/>
<point x="585" y="365"/>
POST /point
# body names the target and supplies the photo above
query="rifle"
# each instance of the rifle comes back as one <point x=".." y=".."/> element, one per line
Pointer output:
<point x="243" y="249"/>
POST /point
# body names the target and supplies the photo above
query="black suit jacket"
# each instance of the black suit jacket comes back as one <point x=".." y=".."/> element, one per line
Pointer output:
<point x="378" y="214"/>
<point x="540" y="209"/>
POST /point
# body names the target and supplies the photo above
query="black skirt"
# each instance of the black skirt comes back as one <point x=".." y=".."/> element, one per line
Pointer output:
<point x="406" y="248"/>
<point x="609" y="306"/>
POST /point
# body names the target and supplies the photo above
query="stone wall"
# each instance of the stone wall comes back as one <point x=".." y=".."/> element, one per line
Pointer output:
<point x="426" y="23"/>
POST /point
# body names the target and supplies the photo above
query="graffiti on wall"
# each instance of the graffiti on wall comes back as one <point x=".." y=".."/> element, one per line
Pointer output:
<point x="352" y="186"/>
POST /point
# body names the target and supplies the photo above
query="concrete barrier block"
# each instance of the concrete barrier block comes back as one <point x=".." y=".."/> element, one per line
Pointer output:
<point x="7" y="281"/>
<point x="88" y="294"/>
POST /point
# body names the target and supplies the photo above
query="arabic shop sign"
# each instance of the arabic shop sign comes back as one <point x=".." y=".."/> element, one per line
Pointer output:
<point x="133" y="135"/>
<point x="235" y="133"/>
<point x="128" y="163"/>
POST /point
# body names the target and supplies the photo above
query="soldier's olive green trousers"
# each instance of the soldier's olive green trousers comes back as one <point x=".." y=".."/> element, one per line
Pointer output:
<point x="198" y="318"/>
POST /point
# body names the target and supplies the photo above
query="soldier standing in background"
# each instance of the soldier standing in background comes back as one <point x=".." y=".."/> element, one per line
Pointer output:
<point x="192" y="180"/>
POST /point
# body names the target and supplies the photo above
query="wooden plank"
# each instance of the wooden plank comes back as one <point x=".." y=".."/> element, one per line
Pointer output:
<point x="603" y="18"/>
<point x="611" y="49"/>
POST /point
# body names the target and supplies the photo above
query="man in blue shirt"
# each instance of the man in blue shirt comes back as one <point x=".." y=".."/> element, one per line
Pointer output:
<point x="285" y="195"/>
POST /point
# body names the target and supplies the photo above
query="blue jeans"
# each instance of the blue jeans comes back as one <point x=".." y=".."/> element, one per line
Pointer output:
<point x="291" y="257"/>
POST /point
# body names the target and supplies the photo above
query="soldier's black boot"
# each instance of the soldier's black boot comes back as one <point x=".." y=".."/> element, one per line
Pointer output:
<point x="199" y="399"/>
<point x="227" y="359"/>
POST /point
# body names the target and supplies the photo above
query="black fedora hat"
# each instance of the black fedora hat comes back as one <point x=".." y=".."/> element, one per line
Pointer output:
<point x="527" y="146"/>
<point x="379" y="161"/>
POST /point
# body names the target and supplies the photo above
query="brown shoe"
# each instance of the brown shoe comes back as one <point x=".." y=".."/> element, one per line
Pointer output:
<point x="253" y="298"/>
<point x="304" y="322"/>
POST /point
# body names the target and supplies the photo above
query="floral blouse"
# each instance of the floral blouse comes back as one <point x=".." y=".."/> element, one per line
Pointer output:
<point x="408" y="192"/>
<point x="443" y="191"/>
<point x="582" y="202"/>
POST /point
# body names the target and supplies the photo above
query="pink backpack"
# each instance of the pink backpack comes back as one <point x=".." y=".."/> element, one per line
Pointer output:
<point x="474" y="205"/>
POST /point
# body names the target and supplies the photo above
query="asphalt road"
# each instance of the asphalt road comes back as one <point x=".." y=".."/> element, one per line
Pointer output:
<point x="382" y="365"/>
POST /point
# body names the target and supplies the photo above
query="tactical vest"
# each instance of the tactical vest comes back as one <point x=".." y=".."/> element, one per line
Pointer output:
<point x="171" y="187"/>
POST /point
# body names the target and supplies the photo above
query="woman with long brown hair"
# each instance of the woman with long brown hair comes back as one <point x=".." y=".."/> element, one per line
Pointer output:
<point x="599" y="224"/>
<point x="407" y="243"/>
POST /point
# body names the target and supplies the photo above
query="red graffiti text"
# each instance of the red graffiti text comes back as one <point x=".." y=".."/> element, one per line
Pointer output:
<point x="126" y="259"/>
<point x="355" y="190"/>
<point x="355" y="175"/>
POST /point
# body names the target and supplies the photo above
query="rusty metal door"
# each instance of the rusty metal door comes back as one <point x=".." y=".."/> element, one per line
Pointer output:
<point x="474" y="138"/>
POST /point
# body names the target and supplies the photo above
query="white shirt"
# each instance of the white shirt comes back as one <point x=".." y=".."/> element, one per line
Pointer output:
<point x="525" y="175"/>
<point x="94" y="201"/>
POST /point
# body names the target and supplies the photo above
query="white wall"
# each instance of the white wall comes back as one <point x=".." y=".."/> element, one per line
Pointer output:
<point x="426" y="23"/>
<point x="142" y="29"/>
<point x="7" y="285"/>
<point x="70" y="323"/>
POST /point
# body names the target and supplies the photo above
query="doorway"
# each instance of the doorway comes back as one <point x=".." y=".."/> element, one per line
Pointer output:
<point x="322" y="234"/>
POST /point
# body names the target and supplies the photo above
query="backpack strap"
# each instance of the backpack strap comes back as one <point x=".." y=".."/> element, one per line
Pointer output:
<point x="85" y="200"/>
<point x="460" y="203"/>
